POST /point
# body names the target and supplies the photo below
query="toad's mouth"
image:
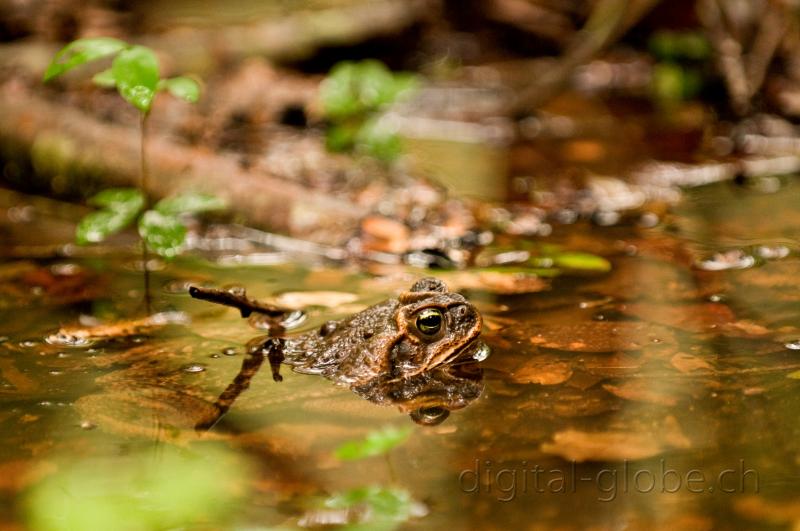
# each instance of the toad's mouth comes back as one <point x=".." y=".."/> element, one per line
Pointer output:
<point x="474" y="351"/>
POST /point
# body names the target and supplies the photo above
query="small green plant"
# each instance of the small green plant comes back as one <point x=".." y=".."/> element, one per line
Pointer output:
<point x="377" y="442"/>
<point x="134" y="73"/>
<point x="353" y="96"/>
<point x="678" y="74"/>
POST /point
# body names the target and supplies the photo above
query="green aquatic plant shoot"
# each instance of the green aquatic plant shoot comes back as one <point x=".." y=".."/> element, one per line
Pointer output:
<point x="353" y="96"/>
<point x="134" y="73"/>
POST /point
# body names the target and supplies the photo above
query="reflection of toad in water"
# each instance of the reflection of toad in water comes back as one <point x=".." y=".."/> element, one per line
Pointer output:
<point x="418" y="351"/>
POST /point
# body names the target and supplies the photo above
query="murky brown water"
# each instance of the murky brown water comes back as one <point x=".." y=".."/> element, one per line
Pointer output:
<point x="663" y="393"/>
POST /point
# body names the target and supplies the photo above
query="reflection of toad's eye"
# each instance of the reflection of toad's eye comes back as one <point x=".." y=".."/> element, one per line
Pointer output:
<point x="429" y="321"/>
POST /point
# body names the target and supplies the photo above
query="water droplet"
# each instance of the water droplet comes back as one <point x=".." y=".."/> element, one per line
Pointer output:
<point x="193" y="367"/>
<point x="482" y="353"/>
<point x="793" y="345"/>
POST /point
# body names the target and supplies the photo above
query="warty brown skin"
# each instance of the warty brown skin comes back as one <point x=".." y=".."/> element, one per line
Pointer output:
<point x="385" y="342"/>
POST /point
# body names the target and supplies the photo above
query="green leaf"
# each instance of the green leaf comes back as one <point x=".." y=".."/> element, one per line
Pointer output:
<point x="135" y="71"/>
<point x="105" y="79"/>
<point x="164" y="234"/>
<point x="583" y="261"/>
<point x="339" y="92"/>
<point x="341" y="137"/>
<point x="141" y="490"/>
<point x="80" y="52"/>
<point x="98" y="226"/>
<point x="191" y="203"/>
<point x="119" y="199"/>
<point x="377" y="140"/>
<point x="119" y="208"/>
<point x="353" y="89"/>
<point x="181" y="87"/>
<point x="383" y="508"/>
<point x="376" y="443"/>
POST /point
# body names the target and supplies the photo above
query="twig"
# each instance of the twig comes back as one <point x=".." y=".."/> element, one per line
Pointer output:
<point x="237" y="300"/>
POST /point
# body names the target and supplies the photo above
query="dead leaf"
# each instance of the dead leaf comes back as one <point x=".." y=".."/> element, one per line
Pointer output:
<point x="582" y="446"/>
<point x="698" y="318"/>
<point x="641" y="391"/>
<point x="601" y="336"/>
<point x="83" y="335"/>
<point x="687" y="363"/>
<point x="551" y="373"/>
<point x="502" y="283"/>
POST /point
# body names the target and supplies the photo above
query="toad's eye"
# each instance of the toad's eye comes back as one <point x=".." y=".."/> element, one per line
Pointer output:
<point x="429" y="321"/>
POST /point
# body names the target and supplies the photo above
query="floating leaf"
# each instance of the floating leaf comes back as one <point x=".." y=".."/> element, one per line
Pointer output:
<point x="582" y="261"/>
<point x="105" y="79"/>
<point x="80" y="52"/>
<point x="164" y="234"/>
<point x="181" y="87"/>
<point x="191" y="203"/>
<point x="135" y="71"/>
<point x="376" y="443"/>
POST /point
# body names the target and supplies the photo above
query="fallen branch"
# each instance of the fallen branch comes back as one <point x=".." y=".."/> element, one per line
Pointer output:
<point x="236" y="299"/>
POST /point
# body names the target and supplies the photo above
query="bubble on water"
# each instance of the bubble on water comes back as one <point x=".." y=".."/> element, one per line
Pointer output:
<point x="230" y="351"/>
<point x="716" y="297"/>
<point x="66" y="339"/>
<point x="28" y="343"/>
<point x="193" y="368"/>
<point x="793" y="345"/>
<point x="45" y="403"/>
<point x="733" y="259"/>
<point x="215" y="356"/>
<point x="772" y="252"/>
<point x="55" y="372"/>
<point x="87" y="425"/>
<point x="66" y="269"/>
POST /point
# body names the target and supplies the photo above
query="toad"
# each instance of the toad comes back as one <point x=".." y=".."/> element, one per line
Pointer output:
<point x="417" y="351"/>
